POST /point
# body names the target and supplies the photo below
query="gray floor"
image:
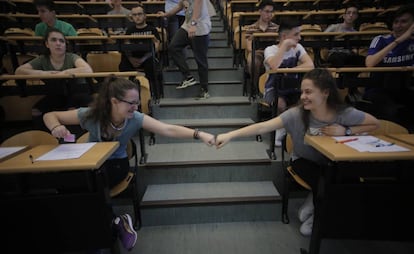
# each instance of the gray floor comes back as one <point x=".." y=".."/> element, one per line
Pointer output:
<point x="248" y="238"/>
<point x="240" y="237"/>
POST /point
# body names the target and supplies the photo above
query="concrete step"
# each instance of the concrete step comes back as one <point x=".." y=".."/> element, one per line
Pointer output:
<point x="218" y="36"/>
<point x="215" y="52"/>
<point x="210" y="125"/>
<point x="185" y="203"/>
<point x="197" y="153"/>
<point x="215" y="89"/>
<point x="214" y="63"/>
<point x="213" y="107"/>
<point x="218" y="44"/>
<point x="217" y="29"/>
<point x="217" y="76"/>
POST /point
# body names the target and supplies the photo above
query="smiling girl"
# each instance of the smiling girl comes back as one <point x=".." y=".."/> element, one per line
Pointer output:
<point x="113" y="116"/>
<point x="321" y="112"/>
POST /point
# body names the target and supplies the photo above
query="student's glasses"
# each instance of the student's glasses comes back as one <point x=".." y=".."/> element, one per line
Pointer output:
<point x="130" y="103"/>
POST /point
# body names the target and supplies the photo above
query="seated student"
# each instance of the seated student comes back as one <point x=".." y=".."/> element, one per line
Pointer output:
<point x="60" y="94"/>
<point x="113" y="116"/>
<point x="288" y="53"/>
<point x="321" y="112"/>
<point x="133" y="60"/>
<point x="340" y="56"/>
<point x="46" y="10"/>
<point x="118" y="9"/>
<point x="346" y="57"/>
<point x="263" y="25"/>
<point x="392" y="50"/>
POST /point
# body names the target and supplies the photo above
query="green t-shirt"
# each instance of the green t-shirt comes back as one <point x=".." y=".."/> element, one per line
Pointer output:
<point x="43" y="62"/>
<point x="66" y="28"/>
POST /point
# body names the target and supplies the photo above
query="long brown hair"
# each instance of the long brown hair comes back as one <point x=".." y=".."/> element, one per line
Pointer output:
<point x="101" y="108"/>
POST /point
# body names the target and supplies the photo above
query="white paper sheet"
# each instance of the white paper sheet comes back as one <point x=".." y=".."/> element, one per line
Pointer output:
<point x="6" y="151"/>
<point x="66" y="151"/>
<point x="370" y="144"/>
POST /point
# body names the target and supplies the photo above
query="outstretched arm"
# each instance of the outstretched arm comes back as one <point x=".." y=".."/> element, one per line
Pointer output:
<point x="253" y="129"/>
<point x="176" y="131"/>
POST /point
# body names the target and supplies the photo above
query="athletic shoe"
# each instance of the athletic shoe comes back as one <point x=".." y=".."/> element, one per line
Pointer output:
<point x="190" y="81"/>
<point x="126" y="232"/>
<point x="307" y="208"/>
<point x="203" y="95"/>
<point x="306" y="227"/>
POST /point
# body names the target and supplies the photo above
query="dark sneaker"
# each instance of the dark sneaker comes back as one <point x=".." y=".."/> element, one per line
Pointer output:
<point x="126" y="232"/>
<point x="190" y="81"/>
<point x="203" y="95"/>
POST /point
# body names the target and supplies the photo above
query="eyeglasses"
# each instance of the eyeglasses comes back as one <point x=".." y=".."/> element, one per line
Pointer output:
<point x="131" y="103"/>
<point x="137" y="14"/>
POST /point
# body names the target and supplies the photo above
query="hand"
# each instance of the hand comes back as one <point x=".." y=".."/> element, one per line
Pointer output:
<point x="408" y="34"/>
<point x="222" y="139"/>
<point x="207" y="138"/>
<point x="333" y="130"/>
<point x="162" y="14"/>
<point x="60" y="131"/>
<point x="192" y="31"/>
<point x="289" y="43"/>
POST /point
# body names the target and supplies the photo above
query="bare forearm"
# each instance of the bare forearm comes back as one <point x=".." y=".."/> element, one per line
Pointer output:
<point x="373" y="60"/>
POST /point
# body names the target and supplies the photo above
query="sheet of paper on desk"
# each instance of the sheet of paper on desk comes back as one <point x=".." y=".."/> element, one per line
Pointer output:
<point x="6" y="151"/>
<point x="371" y="144"/>
<point x="66" y="151"/>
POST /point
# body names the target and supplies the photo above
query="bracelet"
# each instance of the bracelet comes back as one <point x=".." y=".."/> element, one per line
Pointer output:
<point x="196" y="134"/>
<point x="51" y="130"/>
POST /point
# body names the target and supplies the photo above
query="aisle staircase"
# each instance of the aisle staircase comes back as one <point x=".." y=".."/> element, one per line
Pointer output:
<point x="186" y="182"/>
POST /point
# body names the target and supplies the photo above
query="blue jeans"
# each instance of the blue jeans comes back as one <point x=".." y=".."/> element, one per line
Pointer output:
<point x="199" y="45"/>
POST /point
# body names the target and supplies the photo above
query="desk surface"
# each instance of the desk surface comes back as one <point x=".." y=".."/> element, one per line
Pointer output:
<point x="341" y="152"/>
<point x="92" y="159"/>
<point x="405" y="138"/>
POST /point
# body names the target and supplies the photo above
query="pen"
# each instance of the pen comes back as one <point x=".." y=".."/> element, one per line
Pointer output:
<point x="347" y="140"/>
<point x="381" y="145"/>
<point x="31" y="158"/>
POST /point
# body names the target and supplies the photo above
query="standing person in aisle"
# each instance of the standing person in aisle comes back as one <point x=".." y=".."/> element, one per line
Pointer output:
<point x="113" y="116"/>
<point x="321" y="112"/>
<point x="194" y="32"/>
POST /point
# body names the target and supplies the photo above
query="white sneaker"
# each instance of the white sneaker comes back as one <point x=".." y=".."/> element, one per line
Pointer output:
<point x="190" y="81"/>
<point x="280" y="134"/>
<point x="306" y="227"/>
<point x="306" y="210"/>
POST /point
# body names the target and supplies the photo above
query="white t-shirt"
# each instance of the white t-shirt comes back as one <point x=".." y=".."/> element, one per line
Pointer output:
<point x="290" y="58"/>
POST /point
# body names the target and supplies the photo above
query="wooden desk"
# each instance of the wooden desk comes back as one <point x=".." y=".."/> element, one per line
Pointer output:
<point x="341" y="152"/>
<point x="92" y="159"/>
<point x="405" y="138"/>
<point x="362" y="195"/>
<point x="63" y="206"/>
